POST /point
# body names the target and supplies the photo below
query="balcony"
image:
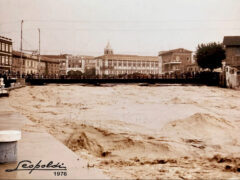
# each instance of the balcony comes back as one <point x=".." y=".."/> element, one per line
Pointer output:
<point x="172" y="62"/>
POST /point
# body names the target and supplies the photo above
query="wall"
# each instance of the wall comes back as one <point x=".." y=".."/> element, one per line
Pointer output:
<point x="232" y="77"/>
<point x="232" y="56"/>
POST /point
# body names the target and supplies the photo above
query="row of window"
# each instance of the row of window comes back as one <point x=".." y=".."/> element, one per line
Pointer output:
<point x="131" y="72"/>
<point x="75" y="65"/>
<point x="6" y="60"/>
<point x="131" y="63"/>
<point x="31" y="63"/>
<point x="172" y="68"/>
<point x="5" y="47"/>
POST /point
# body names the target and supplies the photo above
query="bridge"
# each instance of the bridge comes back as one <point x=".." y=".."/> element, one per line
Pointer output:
<point x="190" y="81"/>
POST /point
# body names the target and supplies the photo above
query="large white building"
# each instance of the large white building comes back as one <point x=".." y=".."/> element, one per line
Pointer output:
<point x="74" y="63"/>
<point x="117" y="64"/>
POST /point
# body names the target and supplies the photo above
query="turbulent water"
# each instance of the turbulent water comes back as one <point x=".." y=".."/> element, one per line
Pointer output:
<point x="132" y="131"/>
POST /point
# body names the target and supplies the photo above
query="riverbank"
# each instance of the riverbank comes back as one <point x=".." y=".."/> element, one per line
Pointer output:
<point x="132" y="131"/>
<point x="37" y="145"/>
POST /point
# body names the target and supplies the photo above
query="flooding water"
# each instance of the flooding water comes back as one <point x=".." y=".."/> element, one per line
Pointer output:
<point x="125" y="129"/>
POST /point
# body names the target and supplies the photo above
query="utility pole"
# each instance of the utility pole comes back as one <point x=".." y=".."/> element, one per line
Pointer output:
<point x="21" y="48"/>
<point x="39" y="68"/>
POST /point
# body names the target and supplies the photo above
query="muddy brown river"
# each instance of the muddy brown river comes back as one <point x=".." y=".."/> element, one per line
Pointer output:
<point x="132" y="131"/>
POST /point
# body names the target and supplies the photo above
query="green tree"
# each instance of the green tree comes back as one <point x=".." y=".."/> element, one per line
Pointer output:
<point x="210" y="55"/>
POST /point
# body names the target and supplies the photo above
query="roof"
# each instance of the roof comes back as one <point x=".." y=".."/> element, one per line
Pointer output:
<point x="5" y="38"/>
<point x="126" y="57"/>
<point x="61" y="56"/>
<point x="179" y="50"/>
<point x="35" y="57"/>
<point x="231" y="40"/>
<point x="78" y="57"/>
<point x="24" y="55"/>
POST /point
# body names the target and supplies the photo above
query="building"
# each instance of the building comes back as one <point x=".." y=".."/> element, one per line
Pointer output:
<point x="232" y="76"/>
<point x="123" y="64"/>
<point x="193" y="67"/>
<point x="50" y="66"/>
<point x="232" y="48"/>
<point x="80" y="63"/>
<point x="30" y="64"/>
<point x="27" y="65"/>
<point x="67" y="62"/>
<point x="175" y="60"/>
<point x="5" y="55"/>
<point x="60" y="61"/>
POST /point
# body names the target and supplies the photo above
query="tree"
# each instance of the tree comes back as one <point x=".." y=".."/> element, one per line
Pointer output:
<point x="74" y="74"/>
<point x="90" y="72"/>
<point x="210" y="55"/>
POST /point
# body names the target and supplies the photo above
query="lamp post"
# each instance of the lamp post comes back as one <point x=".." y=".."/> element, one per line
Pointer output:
<point x="21" y="48"/>
<point x="39" y="67"/>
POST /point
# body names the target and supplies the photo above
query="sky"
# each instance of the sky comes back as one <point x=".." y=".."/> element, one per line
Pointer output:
<point x="142" y="27"/>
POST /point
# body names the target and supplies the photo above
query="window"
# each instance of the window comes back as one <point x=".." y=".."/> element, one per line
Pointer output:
<point x="143" y="64"/>
<point x="177" y="58"/>
<point x="7" y="48"/>
<point x="6" y="59"/>
<point x="110" y="62"/>
<point x="3" y="59"/>
<point x="129" y="63"/>
<point x="10" y="48"/>
<point x="3" y="47"/>
<point x="138" y="64"/>
<point x="237" y="50"/>
<point x="115" y="63"/>
<point x="119" y="63"/>
<point x="147" y="64"/>
<point x="125" y="64"/>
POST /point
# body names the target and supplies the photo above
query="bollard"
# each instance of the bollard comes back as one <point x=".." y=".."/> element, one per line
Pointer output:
<point x="8" y="145"/>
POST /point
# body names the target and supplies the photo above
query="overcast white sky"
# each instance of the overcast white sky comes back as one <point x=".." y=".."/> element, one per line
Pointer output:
<point x="142" y="27"/>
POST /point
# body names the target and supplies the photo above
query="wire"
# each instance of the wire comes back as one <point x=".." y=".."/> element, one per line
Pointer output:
<point x="134" y="21"/>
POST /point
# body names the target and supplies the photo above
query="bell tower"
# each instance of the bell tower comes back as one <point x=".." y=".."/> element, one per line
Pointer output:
<point x="108" y="49"/>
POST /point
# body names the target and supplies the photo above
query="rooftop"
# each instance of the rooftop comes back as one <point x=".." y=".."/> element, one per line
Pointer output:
<point x="85" y="57"/>
<point x="35" y="57"/>
<point x="231" y="40"/>
<point x="127" y="57"/>
<point x="175" y="50"/>
<point x="4" y="38"/>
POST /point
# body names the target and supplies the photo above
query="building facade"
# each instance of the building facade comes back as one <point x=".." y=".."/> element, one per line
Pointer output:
<point x="50" y="66"/>
<point x="5" y="55"/>
<point x="79" y="63"/>
<point x="121" y="64"/>
<point x="232" y="49"/>
<point x="175" y="60"/>
<point x="58" y="64"/>
<point x="193" y="67"/>
<point x="31" y="64"/>
<point x="27" y="65"/>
